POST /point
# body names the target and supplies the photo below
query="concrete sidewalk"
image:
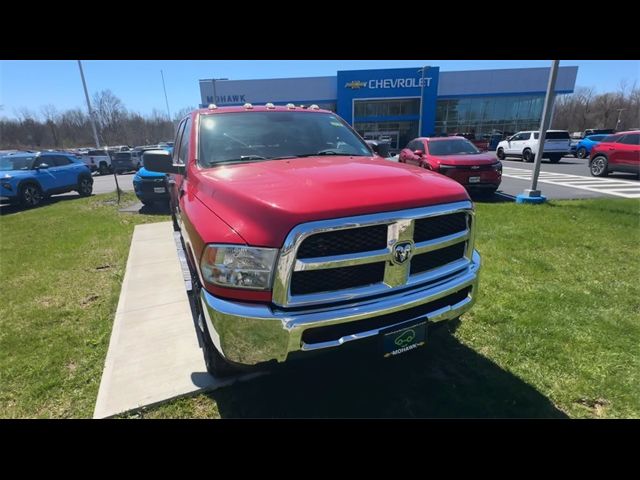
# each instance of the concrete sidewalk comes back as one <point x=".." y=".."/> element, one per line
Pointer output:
<point x="154" y="353"/>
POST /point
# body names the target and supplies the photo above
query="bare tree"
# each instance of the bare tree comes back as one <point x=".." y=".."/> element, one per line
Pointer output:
<point x="50" y="114"/>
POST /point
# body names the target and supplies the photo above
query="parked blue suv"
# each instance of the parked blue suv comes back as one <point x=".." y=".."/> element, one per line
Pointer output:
<point x="28" y="178"/>
<point x="584" y="146"/>
<point x="151" y="187"/>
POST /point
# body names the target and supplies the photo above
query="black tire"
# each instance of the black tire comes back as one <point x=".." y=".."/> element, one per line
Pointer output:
<point x="581" y="152"/>
<point x="528" y="156"/>
<point x="103" y="168"/>
<point x="85" y="186"/>
<point x="174" y="219"/>
<point x="555" y="159"/>
<point x="213" y="360"/>
<point x="598" y="166"/>
<point x="30" y="195"/>
<point x="500" y="154"/>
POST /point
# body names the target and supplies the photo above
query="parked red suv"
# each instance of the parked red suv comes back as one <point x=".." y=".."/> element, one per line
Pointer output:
<point x="300" y="239"/>
<point x="619" y="152"/>
<point x="457" y="158"/>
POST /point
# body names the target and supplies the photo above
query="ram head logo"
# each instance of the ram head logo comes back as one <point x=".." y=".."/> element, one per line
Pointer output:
<point x="402" y="252"/>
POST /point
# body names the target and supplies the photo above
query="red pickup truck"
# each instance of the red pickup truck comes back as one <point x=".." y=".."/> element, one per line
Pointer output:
<point x="301" y="238"/>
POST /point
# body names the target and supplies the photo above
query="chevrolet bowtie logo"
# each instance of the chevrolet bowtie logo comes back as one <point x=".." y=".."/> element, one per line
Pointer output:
<point x="355" y="84"/>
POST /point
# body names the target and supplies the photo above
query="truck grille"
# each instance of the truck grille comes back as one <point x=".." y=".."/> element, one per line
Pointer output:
<point x="440" y="226"/>
<point x="314" y="281"/>
<point x="437" y="258"/>
<point x="342" y="242"/>
<point x="345" y="259"/>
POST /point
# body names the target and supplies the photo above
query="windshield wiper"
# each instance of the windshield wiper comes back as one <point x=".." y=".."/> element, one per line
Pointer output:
<point x="331" y="152"/>
<point x="242" y="159"/>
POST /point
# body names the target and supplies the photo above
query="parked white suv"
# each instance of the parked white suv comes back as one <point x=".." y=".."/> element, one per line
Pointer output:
<point x="98" y="160"/>
<point x="524" y="145"/>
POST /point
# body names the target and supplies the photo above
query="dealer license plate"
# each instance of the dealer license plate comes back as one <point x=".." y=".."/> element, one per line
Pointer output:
<point x="474" y="179"/>
<point x="401" y="339"/>
<point x="159" y="190"/>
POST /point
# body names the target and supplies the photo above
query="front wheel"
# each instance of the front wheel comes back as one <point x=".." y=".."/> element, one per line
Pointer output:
<point x="555" y="159"/>
<point x="581" y="152"/>
<point x="528" y="156"/>
<point x="598" y="166"/>
<point x="213" y="360"/>
<point x="85" y="186"/>
<point x="30" y="195"/>
<point x="500" y="154"/>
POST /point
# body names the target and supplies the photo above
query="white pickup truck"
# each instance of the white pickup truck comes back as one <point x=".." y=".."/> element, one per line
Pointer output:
<point x="98" y="160"/>
<point x="524" y="145"/>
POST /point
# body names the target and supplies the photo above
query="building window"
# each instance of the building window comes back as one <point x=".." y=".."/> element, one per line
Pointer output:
<point x="484" y="115"/>
<point x="386" y="107"/>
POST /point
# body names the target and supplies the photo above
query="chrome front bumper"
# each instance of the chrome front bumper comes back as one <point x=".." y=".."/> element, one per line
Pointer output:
<point x="250" y="334"/>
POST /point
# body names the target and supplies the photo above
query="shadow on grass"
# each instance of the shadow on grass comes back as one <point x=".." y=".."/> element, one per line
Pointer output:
<point x="498" y="197"/>
<point x="10" y="208"/>
<point x="155" y="208"/>
<point x="446" y="379"/>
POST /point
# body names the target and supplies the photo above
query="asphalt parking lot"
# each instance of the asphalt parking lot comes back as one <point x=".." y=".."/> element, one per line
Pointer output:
<point x="568" y="179"/>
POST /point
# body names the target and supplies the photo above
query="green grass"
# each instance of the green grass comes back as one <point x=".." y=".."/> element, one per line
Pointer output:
<point x="555" y="332"/>
<point x="61" y="267"/>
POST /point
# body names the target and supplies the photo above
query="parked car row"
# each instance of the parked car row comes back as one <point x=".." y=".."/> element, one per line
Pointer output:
<point x="30" y="177"/>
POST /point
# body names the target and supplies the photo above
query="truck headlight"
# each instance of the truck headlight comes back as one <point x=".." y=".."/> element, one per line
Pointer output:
<point x="238" y="266"/>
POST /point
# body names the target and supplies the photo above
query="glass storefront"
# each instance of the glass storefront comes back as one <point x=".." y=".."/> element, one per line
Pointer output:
<point x="397" y="133"/>
<point x="392" y="120"/>
<point x="396" y="120"/>
<point x="484" y="115"/>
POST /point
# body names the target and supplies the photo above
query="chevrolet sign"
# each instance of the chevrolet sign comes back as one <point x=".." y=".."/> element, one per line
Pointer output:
<point x="390" y="83"/>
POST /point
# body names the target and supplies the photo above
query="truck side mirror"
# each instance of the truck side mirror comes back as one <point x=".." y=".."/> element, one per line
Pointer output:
<point x="160" y="161"/>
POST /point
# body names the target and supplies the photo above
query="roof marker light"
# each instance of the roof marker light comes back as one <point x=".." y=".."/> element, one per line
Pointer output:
<point x="212" y="106"/>
<point x="270" y="105"/>
<point x="248" y="106"/>
<point x="290" y="106"/>
<point x="314" y="107"/>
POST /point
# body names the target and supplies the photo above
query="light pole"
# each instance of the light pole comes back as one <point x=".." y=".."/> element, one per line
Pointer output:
<point x="421" y="99"/>
<point x="533" y="195"/>
<point x="91" y="115"/>
<point x="165" y="96"/>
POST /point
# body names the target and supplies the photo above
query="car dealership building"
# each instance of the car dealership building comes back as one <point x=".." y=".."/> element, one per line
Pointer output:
<point x="400" y="104"/>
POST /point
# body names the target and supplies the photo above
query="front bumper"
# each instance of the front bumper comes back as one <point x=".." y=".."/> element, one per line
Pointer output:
<point x="251" y="334"/>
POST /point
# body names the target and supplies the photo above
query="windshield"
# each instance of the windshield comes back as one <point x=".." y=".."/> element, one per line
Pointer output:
<point x="15" y="163"/>
<point x="254" y="136"/>
<point x="596" y="138"/>
<point x="456" y="146"/>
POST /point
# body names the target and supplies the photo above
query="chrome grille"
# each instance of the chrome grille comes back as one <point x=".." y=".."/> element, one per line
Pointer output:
<point x="345" y="259"/>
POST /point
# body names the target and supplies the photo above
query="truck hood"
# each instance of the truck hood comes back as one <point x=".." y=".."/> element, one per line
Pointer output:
<point x="461" y="160"/>
<point x="263" y="201"/>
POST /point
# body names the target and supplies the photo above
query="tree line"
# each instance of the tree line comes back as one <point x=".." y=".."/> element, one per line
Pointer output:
<point x="53" y="129"/>
<point x="585" y="109"/>
<point x="116" y="125"/>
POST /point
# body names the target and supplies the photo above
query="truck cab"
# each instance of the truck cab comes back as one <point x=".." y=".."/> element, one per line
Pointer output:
<point x="300" y="239"/>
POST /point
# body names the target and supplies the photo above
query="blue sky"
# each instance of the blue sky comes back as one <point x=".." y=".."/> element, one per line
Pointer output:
<point x="34" y="83"/>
